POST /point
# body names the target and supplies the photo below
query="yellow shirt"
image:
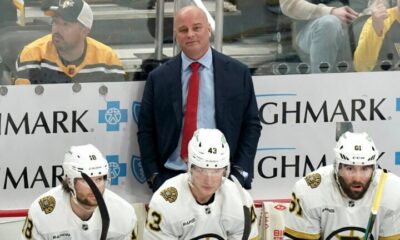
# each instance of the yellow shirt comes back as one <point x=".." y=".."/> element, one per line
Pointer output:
<point x="369" y="44"/>
<point x="40" y="63"/>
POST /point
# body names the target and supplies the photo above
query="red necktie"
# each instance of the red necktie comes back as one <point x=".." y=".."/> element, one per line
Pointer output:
<point x="190" y="124"/>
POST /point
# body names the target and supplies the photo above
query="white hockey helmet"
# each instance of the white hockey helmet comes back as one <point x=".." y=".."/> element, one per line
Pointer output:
<point x="355" y="149"/>
<point x="85" y="158"/>
<point x="208" y="149"/>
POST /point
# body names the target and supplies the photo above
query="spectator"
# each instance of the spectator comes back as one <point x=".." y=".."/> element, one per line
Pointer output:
<point x="379" y="39"/>
<point x="202" y="203"/>
<point x="334" y="202"/>
<point x="321" y="30"/>
<point x="68" y="54"/>
<point x="73" y="210"/>
<point x="225" y="100"/>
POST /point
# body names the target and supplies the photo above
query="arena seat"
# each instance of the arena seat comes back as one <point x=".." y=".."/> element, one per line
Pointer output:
<point x="12" y="40"/>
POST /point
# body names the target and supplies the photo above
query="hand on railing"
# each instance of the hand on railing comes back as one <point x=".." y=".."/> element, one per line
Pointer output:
<point x="22" y="81"/>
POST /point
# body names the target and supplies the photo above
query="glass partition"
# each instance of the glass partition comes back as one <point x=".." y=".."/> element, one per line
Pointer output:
<point x="267" y="35"/>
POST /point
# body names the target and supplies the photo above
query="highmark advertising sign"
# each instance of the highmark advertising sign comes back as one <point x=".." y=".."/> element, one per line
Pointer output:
<point x="37" y="130"/>
<point x="300" y="116"/>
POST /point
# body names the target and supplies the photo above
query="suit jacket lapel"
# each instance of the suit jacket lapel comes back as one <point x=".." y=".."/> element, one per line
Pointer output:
<point x="219" y="64"/>
<point x="175" y="92"/>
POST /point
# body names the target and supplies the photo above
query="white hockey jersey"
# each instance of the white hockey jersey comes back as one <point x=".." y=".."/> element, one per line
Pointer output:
<point x="318" y="210"/>
<point x="175" y="214"/>
<point x="51" y="217"/>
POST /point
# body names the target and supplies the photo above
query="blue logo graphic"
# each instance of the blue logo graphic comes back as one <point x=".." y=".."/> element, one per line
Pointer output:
<point x="136" y="111"/>
<point x="276" y="149"/>
<point x="137" y="169"/>
<point x="398" y="104"/>
<point x="397" y="158"/>
<point x="113" y="116"/>
<point x="276" y="95"/>
<point x="397" y="154"/>
<point x="117" y="169"/>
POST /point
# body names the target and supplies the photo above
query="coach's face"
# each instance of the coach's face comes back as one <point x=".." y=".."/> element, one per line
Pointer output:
<point x="355" y="180"/>
<point x="192" y="31"/>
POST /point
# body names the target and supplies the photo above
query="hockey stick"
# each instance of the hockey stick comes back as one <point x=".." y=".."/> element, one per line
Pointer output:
<point x="246" y="210"/>
<point x="375" y="204"/>
<point x="105" y="217"/>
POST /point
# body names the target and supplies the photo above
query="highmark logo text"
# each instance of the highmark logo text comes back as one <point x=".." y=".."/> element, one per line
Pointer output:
<point x="113" y="116"/>
<point x="284" y="108"/>
<point x="283" y="162"/>
<point x="397" y="158"/>
<point x="48" y="122"/>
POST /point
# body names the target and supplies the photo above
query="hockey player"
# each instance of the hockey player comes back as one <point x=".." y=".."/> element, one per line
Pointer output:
<point x="71" y="211"/>
<point x="202" y="203"/>
<point x="334" y="202"/>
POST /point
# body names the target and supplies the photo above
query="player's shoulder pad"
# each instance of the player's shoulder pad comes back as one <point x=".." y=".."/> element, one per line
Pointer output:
<point x="121" y="210"/>
<point x="117" y="202"/>
<point x="47" y="203"/>
<point x="173" y="190"/>
<point x="169" y="194"/>
<point x="315" y="181"/>
<point x="232" y="193"/>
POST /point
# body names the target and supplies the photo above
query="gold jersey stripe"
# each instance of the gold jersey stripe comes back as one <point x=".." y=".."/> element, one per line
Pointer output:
<point x="302" y="235"/>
